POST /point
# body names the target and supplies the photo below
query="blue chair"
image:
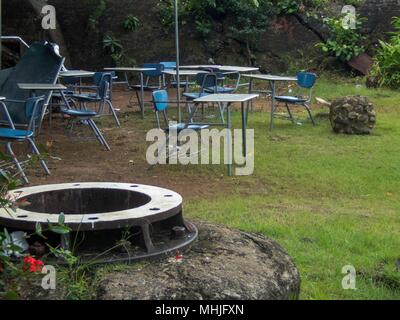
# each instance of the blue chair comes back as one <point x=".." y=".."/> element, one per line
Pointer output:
<point x="221" y="77"/>
<point x="305" y="80"/>
<point x="102" y="95"/>
<point x="208" y="83"/>
<point x="72" y="83"/>
<point x="9" y="135"/>
<point x="161" y="105"/>
<point x="169" y="65"/>
<point x="156" y="74"/>
<point x="41" y="63"/>
<point x="85" y="115"/>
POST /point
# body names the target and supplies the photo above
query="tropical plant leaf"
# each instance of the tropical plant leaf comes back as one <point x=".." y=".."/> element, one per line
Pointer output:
<point x="59" y="229"/>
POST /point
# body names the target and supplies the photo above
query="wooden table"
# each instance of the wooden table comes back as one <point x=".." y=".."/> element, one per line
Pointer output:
<point x="228" y="99"/>
<point x="137" y="70"/>
<point x="272" y="79"/>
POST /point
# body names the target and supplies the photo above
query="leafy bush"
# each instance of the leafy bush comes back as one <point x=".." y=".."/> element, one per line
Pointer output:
<point x="343" y="43"/>
<point x="131" y="23"/>
<point x="288" y="6"/>
<point x="112" y="44"/>
<point x="10" y="268"/>
<point x="114" y="47"/>
<point x="387" y="59"/>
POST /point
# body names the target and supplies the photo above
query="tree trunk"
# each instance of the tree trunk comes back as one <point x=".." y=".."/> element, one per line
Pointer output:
<point x="303" y="22"/>
<point x="55" y="35"/>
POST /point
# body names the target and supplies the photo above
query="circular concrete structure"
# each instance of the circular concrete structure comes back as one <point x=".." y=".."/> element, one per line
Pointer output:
<point x="104" y="210"/>
<point x="92" y="206"/>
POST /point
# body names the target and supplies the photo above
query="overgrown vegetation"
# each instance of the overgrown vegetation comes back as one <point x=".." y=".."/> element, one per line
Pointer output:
<point x="16" y="263"/>
<point x="111" y="44"/>
<point x="344" y="43"/>
<point x="387" y="59"/>
<point x="245" y="20"/>
<point x="240" y="20"/>
<point x="308" y="7"/>
<point x="293" y="6"/>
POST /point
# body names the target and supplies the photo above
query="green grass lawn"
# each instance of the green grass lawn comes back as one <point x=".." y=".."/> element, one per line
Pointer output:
<point x="330" y="200"/>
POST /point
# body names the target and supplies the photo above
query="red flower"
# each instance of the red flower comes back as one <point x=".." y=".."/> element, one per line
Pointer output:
<point x="178" y="256"/>
<point x="32" y="265"/>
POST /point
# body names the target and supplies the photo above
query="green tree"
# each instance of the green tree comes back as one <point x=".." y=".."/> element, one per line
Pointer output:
<point x="239" y="20"/>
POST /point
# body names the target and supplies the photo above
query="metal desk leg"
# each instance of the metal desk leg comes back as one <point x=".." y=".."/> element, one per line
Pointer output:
<point x="229" y="139"/>
<point x="271" y="126"/>
<point x="187" y="84"/>
<point x="244" y="127"/>
<point x="142" y="93"/>
<point x="247" y="111"/>
<point x="126" y="80"/>
<point x="168" y="84"/>
<point x="251" y="91"/>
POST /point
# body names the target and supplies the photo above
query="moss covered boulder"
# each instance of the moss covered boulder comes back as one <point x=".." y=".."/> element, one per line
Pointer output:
<point x="352" y="115"/>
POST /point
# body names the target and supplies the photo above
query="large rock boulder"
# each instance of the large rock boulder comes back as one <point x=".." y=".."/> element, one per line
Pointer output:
<point x="222" y="264"/>
<point x="352" y="115"/>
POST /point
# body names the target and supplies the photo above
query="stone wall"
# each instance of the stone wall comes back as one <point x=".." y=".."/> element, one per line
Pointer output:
<point x="380" y="14"/>
<point x="286" y="41"/>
